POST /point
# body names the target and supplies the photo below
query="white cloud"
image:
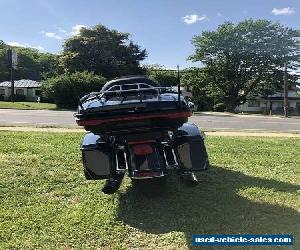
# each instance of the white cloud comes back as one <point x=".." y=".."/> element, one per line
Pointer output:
<point x="37" y="47"/>
<point x="16" y="44"/>
<point x="25" y="45"/>
<point x="61" y="30"/>
<point x="52" y="35"/>
<point x="219" y="14"/>
<point x="193" y="18"/>
<point x="76" y="29"/>
<point x="287" y="11"/>
<point x="62" y="33"/>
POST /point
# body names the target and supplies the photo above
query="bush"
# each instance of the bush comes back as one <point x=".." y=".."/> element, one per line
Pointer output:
<point x="19" y="98"/>
<point x="165" y="79"/>
<point x="67" y="89"/>
<point x="219" y="107"/>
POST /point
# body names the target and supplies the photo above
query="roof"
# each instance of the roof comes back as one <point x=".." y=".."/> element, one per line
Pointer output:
<point x="24" y="83"/>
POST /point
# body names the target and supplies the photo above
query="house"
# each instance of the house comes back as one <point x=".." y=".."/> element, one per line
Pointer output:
<point x="273" y="104"/>
<point x="27" y="90"/>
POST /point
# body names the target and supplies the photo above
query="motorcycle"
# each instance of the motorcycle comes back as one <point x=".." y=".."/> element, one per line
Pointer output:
<point x="135" y="126"/>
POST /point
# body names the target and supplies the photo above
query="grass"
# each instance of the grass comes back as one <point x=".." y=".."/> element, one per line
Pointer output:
<point x="27" y="105"/>
<point x="252" y="187"/>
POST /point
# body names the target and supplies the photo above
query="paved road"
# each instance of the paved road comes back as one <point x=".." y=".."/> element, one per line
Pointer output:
<point x="36" y="117"/>
<point x="246" y="123"/>
<point x="206" y="121"/>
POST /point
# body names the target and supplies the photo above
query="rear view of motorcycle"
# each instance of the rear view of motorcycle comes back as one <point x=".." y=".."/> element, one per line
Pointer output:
<point x="139" y="128"/>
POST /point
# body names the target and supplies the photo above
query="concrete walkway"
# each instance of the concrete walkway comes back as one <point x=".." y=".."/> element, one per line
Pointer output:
<point x="216" y="133"/>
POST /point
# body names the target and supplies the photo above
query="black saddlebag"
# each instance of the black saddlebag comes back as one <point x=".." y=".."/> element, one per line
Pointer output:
<point x="98" y="157"/>
<point x="189" y="147"/>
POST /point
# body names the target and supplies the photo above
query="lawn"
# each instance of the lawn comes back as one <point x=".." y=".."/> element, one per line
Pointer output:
<point x="27" y="105"/>
<point x="252" y="187"/>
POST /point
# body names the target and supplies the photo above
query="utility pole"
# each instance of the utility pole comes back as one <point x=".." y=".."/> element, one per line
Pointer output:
<point x="178" y="85"/>
<point x="12" y="81"/>
<point x="285" y="89"/>
<point x="11" y="68"/>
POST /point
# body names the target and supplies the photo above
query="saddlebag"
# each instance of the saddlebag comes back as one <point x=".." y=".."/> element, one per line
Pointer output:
<point x="98" y="157"/>
<point x="189" y="147"/>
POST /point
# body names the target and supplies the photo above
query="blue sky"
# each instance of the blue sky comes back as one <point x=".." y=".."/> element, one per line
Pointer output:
<point x="164" y="27"/>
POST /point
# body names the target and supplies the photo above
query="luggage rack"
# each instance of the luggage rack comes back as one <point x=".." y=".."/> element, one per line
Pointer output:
<point x="122" y="92"/>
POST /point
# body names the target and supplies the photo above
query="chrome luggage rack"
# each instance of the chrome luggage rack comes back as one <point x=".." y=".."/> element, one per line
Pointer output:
<point x="104" y="95"/>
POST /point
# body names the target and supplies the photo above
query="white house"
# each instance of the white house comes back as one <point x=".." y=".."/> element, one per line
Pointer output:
<point x="273" y="104"/>
<point x="29" y="88"/>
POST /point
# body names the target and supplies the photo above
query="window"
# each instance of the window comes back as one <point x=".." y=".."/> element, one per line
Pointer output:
<point x="20" y="91"/>
<point x="129" y="86"/>
<point x="38" y="92"/>
<point x="144" y="86"/>
<point x="2" y="91"/>
<point x="114" y="88"/>
<point x="253" y="103"/>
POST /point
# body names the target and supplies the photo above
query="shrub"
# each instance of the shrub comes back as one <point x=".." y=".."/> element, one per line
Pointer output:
<point x="67" y="89"/>
<point x="19" y="98"/>
<point x="219" y="107"/>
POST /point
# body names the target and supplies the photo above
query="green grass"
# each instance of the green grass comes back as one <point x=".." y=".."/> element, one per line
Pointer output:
<point x="27" y="105"/>
<point x="252" y="187"/>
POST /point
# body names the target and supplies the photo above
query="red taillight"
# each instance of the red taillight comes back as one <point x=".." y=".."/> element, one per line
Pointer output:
<point x="142" y="149"/>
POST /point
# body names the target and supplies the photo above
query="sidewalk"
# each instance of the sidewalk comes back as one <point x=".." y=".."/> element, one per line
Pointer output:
<point x="208" y="133"/>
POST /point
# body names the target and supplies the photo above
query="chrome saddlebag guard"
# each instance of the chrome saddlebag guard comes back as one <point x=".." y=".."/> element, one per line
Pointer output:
<point x="189" y="147"/>
<point x="98" y="157"/>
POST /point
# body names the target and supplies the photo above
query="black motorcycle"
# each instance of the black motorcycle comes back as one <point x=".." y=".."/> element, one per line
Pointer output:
<point x="138" y="127"/>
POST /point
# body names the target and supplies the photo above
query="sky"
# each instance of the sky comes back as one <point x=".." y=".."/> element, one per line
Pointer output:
<point x="163" y="27"/>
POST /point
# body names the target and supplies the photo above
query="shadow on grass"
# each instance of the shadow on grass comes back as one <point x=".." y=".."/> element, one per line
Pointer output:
<point x="214" y="206"/>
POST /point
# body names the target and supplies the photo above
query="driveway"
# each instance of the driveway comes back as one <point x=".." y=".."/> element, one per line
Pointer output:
<point x="207" y="121"/>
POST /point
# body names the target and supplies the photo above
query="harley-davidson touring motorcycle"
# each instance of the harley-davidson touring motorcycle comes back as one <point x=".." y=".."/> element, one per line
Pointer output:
<point x="136" y="126"/>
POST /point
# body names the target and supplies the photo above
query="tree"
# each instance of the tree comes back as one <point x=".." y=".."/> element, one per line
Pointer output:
<point x="67" y="89"/>
<point x="4" y="72"/>
<point x="35" y="65"/>
<point x="247" y="57"/>
<point x="32" y="64"/>
<point x="162" y="75"/>
<point x="205" y="94"/>
<point x="103" y="51"/>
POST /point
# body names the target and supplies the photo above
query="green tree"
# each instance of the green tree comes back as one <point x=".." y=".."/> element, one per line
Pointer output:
<point x="205" y="94"/>
<point x="67" y="89"/>
<point x="4" y="72"/>
<point x="162" y="75"/>
<point x="247" y="57"/>
<point x="103" y="51"/>
<point x="32" y="64"/>
<point x="35" y="65"/>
